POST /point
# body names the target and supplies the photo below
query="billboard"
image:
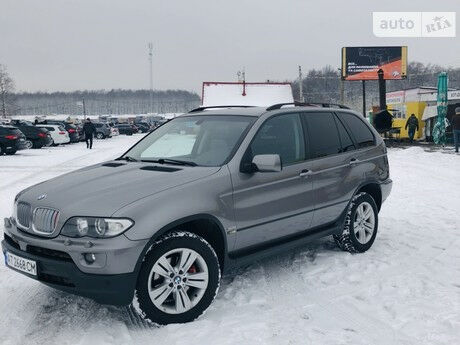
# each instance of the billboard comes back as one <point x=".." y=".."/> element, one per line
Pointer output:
<point x="362" y="63"/>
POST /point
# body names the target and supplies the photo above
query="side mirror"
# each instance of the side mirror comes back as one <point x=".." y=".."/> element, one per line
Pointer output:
<point x="267" y="163"/>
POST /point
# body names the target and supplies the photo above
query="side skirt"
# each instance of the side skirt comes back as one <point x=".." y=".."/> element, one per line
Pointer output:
<point x="247" y="255"/>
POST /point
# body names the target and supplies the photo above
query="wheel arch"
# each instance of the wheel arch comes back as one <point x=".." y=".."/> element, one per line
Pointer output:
<point x="373" y="189"/>
<point x="204" y="225"/>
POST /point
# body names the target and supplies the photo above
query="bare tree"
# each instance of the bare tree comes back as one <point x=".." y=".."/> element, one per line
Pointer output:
<point x="7" y="97"/>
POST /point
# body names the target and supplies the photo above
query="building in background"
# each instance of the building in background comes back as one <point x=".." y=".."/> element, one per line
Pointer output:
<point x="420" y="101"/>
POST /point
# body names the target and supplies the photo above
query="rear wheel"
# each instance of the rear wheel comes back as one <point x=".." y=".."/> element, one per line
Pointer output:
<point x="178" y="280"/>
<point x="29" y="144"/>
<point x="360" y="227"/>
<point x="100" y="135"/>
<point x="36" y="144"/>
<point x="2" y="150"/>
<point x="11" y="152"/>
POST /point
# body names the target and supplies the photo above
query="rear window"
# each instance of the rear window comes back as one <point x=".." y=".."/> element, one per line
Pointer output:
<point x="362" y="133"/>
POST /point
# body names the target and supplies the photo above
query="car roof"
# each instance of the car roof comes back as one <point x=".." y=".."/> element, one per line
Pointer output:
<point x="259" y="111"/>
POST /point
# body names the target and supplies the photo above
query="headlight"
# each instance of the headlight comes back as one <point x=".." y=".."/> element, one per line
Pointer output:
<point x="95" y="227"/>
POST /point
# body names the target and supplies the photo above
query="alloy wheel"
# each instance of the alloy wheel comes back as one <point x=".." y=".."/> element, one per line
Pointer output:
<point x="178" y="280"/>
<point x="364" y="222"/>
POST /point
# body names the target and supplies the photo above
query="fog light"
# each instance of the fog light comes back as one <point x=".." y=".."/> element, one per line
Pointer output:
<point x="90" y="257"/>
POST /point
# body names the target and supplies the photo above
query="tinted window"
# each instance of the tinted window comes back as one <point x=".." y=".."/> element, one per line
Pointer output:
<point x="281" y="135"/>
<point x="359" y="129"/>
<point x="323" y="135"/>
<point x="347" y="143"/>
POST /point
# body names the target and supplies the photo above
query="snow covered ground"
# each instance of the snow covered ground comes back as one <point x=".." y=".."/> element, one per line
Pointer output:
<point x="405" y="290"/>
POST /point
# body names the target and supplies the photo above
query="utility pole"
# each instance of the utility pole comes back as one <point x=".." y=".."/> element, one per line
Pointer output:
<point x="341" y="87"/>
<point x="300" y="85"/>
<point x="84" y="109"/>
<point x="150" y="45"/>
<point x="364" y="98"/>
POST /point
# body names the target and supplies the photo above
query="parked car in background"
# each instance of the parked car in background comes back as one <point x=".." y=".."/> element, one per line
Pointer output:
<point x="69" y="127"/>
<point x="102" y="130"/>
<point x="114" y="131"/>
<point x="36" y="137"/>
<point x="58" y="134"/>
<point x="11" y="140"/>
<point x="125" y="129"/>
<point x="134" y="127"/>
<point x="143" y="127"/>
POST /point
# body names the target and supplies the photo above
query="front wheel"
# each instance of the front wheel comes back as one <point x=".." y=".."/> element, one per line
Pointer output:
<point x="100" y="135"/>
<point x="360" y="227"/>
<point x="178" y="280"/>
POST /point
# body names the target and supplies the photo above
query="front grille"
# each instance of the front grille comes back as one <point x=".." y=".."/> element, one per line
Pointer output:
<point x="45" y="220"/>
<point x="23" y="214"/>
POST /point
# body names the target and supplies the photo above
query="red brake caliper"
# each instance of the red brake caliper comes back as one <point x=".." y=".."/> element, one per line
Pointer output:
<point x="192" y="269"/>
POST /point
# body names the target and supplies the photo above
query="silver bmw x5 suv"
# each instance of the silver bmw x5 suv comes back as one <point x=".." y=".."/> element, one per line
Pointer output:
<point x="208" y="191"/>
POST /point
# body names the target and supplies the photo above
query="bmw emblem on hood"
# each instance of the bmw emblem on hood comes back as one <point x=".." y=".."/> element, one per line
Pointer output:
<point x="41" y="197"/>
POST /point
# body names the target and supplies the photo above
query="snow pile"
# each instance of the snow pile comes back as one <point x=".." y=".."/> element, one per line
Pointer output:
<point x="256" y="94"/>
<point x="405" y="290"/>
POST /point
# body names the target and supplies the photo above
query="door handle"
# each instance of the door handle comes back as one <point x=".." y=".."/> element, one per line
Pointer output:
<point x="305" y="173"/>
<point x="354" y="161"/>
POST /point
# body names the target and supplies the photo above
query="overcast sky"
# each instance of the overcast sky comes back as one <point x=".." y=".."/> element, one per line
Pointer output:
<point x="102" y="44"/>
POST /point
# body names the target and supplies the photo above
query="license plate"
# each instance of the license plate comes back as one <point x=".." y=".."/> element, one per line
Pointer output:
<point x="21" y="264"/>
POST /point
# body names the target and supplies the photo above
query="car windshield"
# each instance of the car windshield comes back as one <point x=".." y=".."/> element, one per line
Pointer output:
<point x="206" y="140"/>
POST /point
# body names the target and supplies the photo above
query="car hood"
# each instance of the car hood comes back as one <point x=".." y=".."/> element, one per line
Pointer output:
<point x="102" y="189"/>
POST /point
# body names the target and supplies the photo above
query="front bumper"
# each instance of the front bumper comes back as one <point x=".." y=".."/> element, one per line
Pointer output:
<point x="63" y="274"/>
<point x="61" y="264"/>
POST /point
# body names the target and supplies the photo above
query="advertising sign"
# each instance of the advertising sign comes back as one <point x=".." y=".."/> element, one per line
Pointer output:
<point x="362" y="63"/>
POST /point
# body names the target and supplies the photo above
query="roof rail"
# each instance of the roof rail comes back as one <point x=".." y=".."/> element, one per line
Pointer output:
<point x="309" y="104"/>
<point x="196" y="110"/>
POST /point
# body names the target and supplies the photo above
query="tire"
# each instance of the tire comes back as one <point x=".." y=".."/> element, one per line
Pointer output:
<point x="11" y="152"/>
<point x="358" y="236"/>
<point x="100" y="135"/>
<point x="29" y="144"/>
<point x="176" y="249"/>
<point x="36" y="145"/>
<point x="2" y="150"/>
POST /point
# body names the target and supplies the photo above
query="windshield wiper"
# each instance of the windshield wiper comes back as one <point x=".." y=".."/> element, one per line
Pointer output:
<point x="127" y="158"/>
<point x="170" y="161"/>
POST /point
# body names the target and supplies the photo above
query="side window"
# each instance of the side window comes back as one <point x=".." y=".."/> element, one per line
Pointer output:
<point x="359" y="129"/>
<point x="347" y="143"/>
<point x="323" y="135"/>
<point x="281" y="135"/>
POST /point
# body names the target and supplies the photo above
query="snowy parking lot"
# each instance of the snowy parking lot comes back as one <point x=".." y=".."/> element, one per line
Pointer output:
<point x="404" y="290"/>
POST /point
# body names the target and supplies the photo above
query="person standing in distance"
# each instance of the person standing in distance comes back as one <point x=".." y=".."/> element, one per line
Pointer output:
<point x="89" y="130"/>
<point x="412" y="123"/>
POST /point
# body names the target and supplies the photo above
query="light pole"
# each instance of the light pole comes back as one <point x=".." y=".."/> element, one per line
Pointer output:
<point x="150" y="45"/>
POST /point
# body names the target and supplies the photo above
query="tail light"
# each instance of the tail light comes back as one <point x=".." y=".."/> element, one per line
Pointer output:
<point x="42" y="135"/>
<point x="71" y="130"/>
<point x="62" y="133"/>
<point x="11" y="137"/>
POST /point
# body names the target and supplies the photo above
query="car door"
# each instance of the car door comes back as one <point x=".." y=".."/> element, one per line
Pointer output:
<point x="333" y="170"/>
<point x="272" y="205"/>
